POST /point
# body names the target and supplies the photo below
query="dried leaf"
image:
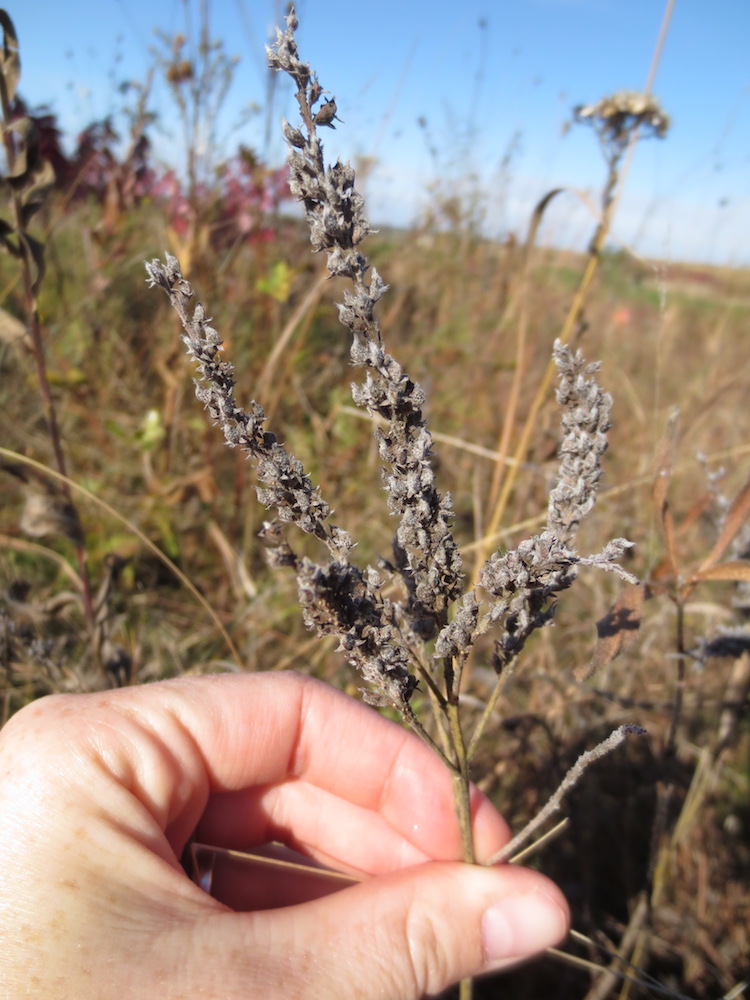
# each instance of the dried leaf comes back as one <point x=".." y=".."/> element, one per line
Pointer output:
<point x="47" y="514"/>
<point x="617" y="630"/>
<point x="36" y="264"/>
<point x="10" y="60"/>
<point x="663" y="572"/>
<point x="703" y="504"/>
<point x="738" y="571"/>
<point x="536" y="217"/>
<point x="39" y="183"/>
<point x="9" y="239"/>
<point x="736" y="517"/>
<point x="26" y="153"/>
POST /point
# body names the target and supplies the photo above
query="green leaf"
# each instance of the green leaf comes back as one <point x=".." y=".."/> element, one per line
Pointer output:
<point x="277" y="282"/>
<point x="116" y="429"/>
<point x="151" y="432"/>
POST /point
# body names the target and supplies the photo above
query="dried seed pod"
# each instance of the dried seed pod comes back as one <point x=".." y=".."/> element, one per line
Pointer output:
<point x="292" y="135"/>
<point x="315" y="90"/>
<point x="326" y="114"/>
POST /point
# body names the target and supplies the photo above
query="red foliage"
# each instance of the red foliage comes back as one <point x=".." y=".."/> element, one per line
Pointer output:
<point x="234" y="208"/>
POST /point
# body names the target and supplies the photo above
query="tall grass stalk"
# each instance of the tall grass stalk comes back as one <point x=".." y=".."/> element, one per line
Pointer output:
<point x="618" y="121"/>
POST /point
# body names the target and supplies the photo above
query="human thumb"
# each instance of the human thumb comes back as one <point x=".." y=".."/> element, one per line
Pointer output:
<point x="402" y="935"/>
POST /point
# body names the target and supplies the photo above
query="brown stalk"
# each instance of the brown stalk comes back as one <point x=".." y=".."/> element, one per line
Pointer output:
<point x="509" y="417"/>
<point x="610" y="198"/>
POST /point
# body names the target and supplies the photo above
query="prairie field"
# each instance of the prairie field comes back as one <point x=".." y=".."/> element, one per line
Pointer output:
<point x="144" y="561"/>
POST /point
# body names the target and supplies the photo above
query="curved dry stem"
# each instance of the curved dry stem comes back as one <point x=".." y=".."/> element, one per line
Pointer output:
<point x="144" y="539"/>
<point x="571" y="778"/>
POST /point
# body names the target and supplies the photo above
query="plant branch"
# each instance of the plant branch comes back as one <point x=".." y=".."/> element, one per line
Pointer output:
<point x="570" y="779"/>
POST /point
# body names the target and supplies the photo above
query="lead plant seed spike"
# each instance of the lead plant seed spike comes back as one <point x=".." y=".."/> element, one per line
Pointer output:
<point x="428" y="635"/>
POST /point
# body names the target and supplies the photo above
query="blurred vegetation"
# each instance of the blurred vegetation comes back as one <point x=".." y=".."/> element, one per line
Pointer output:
<point x="669" y="337"/>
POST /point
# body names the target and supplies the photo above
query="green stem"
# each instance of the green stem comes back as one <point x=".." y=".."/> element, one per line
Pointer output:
<point x="411" y="720"/>
<point x="461" y="783"/>
<point x="434" y="690"/>
<point x="438" y="704"/>
<point x="462" y="797"/>
<point x="490" y="708"/>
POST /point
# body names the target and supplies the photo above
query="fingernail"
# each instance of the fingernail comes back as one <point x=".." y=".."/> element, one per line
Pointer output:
<point x="520" y="926"/>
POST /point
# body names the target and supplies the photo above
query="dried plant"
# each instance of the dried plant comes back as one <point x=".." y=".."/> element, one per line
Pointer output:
<point x="427" y="636"/>
<point x="618" y="121"/>
<point x="728" y="561"/>
<point x="617" y="117"/>
<point x="28" y="179"/>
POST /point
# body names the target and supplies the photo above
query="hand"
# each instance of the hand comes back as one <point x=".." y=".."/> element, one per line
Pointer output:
<point x="99" y="794"/>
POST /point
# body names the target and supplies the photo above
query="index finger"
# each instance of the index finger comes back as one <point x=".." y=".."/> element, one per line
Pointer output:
<point x="336" y="779"/>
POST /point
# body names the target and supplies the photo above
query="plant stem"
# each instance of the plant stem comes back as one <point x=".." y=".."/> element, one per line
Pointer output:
<point x="490" y="708"/>
<point x="37" y="344"/>
<point x="466" y="989"/>
<point x="679" y="692"/>
<point x="461" y="784"/>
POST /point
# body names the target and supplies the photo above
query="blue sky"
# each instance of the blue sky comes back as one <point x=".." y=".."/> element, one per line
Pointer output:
<point x="494" y="80"/>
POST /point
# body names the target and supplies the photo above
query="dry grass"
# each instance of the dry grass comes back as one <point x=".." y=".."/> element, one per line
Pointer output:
<point x="659" y="347"/>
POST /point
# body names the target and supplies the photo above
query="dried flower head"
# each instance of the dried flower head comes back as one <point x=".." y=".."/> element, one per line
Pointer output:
<point x="383" y="638"/>
<point x="424" y="552"/>
<point x="336" y="597"/>
<point x="617" y="117"/>
<point x="526" y="580"/>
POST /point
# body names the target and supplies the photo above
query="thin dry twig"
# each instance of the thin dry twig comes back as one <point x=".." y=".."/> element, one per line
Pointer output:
<point x="571" y="778"/>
